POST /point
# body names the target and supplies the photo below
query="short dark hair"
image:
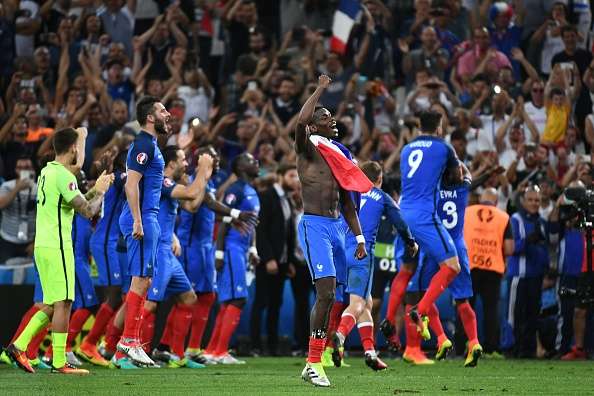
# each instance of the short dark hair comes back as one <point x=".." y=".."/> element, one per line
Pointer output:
<point x="556" y="91"/>
<point x="285" y="167"/>
<point x="372" y="170"/>
<point x="287" y="78"/>
<point x="568" y="28"/>
<point x="237" y="162"/>
<point x="317" y="114"/>
<point x="144" y="107"/>
<point x="170" y="154"/>
<point x="458" y="134"/>
<point x="429" y="120"/>
<point x="64" y="139"/>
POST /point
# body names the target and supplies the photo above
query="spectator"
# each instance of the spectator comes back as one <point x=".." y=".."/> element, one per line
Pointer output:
<point x="481" y="58"/>
<point x="276" y="243"/>
<point x="505" y="30"/>
<point x="18" y="201"/>
<point x="118" y="22"/>
<point x="485" y="223"/>
<point x="526" y="268"/>
<point x="549" y="35"/>
<point x="429" y="56"/>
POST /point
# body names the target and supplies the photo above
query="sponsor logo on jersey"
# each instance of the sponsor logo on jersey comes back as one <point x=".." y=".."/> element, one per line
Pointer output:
<point x="141" y="158"/>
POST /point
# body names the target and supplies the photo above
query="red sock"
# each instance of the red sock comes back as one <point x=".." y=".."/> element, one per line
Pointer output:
<point x="468" y="318"/>
<point x="366" y="334"/>
<point x="216" y="331"/>
<point x="397" y="291"/>
<point x="33" y="348"/>
<point x="180" y="329"/>
<point x="200" y="319"/>
<point x="102" y="318"/>
<point x="230" y="322"/>
<point x="334" y="320"/>
<point x="316" y="348"/>
<point x="167" y="333"/>
<point x="112" y="335"/>
<point x="439" y="283"/>
<point x="413" y="338"/>
<point x="147" y="329"/>
<point x="24" y="322"/>
<point x="435" y="324"/>
<point x="347" y="322"/>
<point x="77" y="320"/>
<point x="134" y="304"/>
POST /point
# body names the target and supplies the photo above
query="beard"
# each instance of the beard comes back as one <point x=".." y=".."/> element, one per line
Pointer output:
<point x="161" y="127"/>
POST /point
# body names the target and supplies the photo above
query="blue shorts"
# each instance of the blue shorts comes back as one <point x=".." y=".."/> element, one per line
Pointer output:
<point x="322" y="240"/>
<point x="461" y="286"/>
<point x="142" y="253"/>
<point x="169" y="278"/>
<point x="426" y="269"/>
<point x="84" y="289"/>
<point x="38" y="291"/>
<point x="108" y="263"/>
<point x="359" y="272"/>
<point x="430" y="234"/>
<point x="341" y="294"/>
<point x="199" y="264"/>
<point x="231" y="279"/>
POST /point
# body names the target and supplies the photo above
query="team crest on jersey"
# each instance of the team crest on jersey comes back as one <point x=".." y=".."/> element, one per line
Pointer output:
<point x="141" y="158"/>
<point x="72" y="186"/>
<point x="230" y="199"/>
<point x="167" y="182"/>
<point x="123" y="175"/>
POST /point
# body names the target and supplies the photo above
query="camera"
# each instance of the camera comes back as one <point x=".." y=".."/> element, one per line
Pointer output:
<point x="582" y="201"/>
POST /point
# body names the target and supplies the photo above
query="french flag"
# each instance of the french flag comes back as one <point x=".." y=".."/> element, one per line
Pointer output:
<point x="339" y="160"/>
<point x="344" y="19"/>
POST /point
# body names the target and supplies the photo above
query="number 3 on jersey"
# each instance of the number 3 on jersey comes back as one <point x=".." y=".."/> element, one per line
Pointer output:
<point x="414" y="161"/>
<point x="449" y="208"/>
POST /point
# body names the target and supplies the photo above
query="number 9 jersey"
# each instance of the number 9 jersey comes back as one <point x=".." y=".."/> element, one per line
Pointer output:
<point x="422" y="165"/>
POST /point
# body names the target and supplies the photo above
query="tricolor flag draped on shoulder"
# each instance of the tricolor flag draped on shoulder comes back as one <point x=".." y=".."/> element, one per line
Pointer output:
<point x="344" y="19"/>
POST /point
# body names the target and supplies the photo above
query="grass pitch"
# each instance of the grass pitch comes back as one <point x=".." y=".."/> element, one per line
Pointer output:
<point x="274" y="376"/>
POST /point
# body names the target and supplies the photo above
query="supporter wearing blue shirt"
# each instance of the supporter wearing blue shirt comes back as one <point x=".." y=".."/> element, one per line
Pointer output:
<point x="525" y="270"/>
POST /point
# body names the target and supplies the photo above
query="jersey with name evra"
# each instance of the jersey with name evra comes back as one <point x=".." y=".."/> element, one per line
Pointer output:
<point x="56" y="188"/>
<point x="145" y="158"/>
<point x="422" y="164"/>
<point x="451" y="208"/>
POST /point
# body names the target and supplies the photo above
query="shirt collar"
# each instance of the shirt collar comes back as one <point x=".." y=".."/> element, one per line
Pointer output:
<point x="279" y="190"/>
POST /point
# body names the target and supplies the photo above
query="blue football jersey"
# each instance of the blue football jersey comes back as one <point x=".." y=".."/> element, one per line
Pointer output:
<point x="451" y="208"/>
<point x="197" y="228"/>
<point x="81" y="235"/>
<point x="167" y="211"/>
<point x="107" y="228"/>
<point x="422" y="165"/>
<point x="145" y="157"/>
<point x="374" y="204"/>
<point x="240" y="195"/>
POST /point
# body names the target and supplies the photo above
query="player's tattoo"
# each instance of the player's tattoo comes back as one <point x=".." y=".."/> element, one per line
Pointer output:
<point x="88" y="209"/>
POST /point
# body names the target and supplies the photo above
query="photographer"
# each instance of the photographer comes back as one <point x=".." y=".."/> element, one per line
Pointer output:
<point x="17" y="202"/>
<point x="565" y="233"/>
<point x="525" y="271"/>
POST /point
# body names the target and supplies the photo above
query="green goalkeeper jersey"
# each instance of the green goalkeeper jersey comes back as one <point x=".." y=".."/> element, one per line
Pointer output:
<point x="56" y="188"/>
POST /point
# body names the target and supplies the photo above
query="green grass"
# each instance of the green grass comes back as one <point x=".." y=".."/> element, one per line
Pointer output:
<point x="272" y="376"/>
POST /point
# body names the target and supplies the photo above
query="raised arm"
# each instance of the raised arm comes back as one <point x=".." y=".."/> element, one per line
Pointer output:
<point x="195" y="191"/>
<point x="306" y="114"/>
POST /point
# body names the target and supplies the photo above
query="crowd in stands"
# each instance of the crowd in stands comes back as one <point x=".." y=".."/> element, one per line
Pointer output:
<point x="514" y="83"/>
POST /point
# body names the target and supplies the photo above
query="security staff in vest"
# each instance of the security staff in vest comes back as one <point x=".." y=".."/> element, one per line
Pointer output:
<point x="526" y="268"/>
<point x="564" y="232"/>
<point x="488" y="237"/>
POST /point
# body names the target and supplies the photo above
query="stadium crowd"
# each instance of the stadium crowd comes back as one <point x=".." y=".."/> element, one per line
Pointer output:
<point x="514" y="83"/>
